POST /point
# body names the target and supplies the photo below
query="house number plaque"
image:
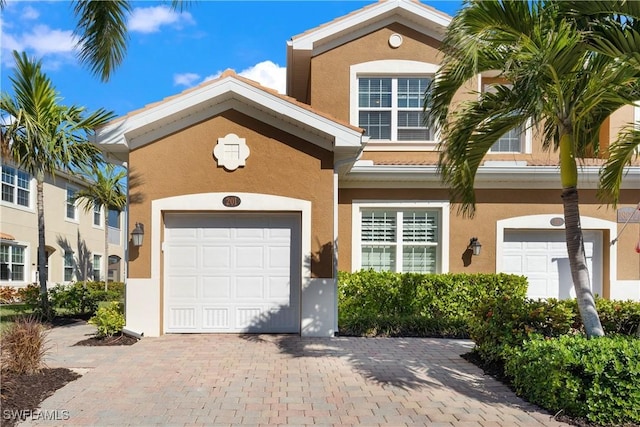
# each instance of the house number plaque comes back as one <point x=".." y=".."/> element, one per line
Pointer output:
<point x="231" y="201"/>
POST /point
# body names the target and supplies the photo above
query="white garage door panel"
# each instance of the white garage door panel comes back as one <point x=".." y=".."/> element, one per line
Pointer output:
<point x="541" y="256"/>
<point x="237" y="273"/>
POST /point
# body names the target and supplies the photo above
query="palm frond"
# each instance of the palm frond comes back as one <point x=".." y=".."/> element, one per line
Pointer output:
<point x="102" y="33"/>
<point x="621" y="154"/>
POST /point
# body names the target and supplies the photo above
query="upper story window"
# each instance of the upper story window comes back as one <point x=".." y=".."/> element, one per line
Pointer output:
<point x="97" y="215"/>
<point x="114" y="219"/>
<point x="72" y="210"/>
<point x="15" y="186"/>
<point x="386" y="99"/>
<point x="514" y="141"/>
<point x="391" y="108"/>
<point x="510" y="142"/>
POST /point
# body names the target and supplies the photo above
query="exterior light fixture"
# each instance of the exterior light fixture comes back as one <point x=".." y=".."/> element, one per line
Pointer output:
<point x="474" y="245"/>
<point x="137" y="235"/>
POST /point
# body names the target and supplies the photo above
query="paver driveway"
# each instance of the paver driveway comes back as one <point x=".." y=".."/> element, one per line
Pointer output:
<point x="279" y="380"/>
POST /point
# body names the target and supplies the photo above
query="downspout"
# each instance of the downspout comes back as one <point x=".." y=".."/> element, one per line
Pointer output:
<point x="336" y="166"/>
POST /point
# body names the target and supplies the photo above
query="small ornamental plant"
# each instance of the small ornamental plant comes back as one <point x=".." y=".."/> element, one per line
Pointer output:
<point x="108" y="319"/>
<point x="23" y="346"/>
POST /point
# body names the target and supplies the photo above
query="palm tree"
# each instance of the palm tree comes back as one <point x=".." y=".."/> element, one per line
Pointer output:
<point x="553" y="79"/>
<point x="613" y="30"/>
<point x="102" y="32"/>
<point x="106" y="191"/>
<point x="44" y="137"/>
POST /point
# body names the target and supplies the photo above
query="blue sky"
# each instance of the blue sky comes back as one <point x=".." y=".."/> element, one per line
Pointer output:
<point x="168" y="51"/>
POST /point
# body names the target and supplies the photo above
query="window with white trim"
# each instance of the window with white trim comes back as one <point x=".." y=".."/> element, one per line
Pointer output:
<point x="97" y="262"/>
<point x="16" y="186"/>
<point x="12" y="263"/>
<point x="69" y="266"/>
<point x="72" y="210"/>
<point x="97" y="215"/>
<point x="512" y="141"/>
<point x="391" y="108"/>
<point x="400" y="238"/>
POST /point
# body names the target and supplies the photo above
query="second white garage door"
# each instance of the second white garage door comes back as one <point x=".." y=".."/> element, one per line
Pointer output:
<point x="541" y="256"/>
<point x="232" y="273"/>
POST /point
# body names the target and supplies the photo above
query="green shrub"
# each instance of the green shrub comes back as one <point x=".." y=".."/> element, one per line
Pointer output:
<point x="109" y="319"/>
<point x="30" y="295"/>
<point x="596" y="379"/>
<point x="84" y="297"/>
<point x="23" y="346"/>
<point x="411" y="304"/>
<point x="504" y="321"/>
<point x="619" y="317"/>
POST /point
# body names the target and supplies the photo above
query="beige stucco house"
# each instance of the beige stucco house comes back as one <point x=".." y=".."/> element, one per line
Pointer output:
<point x="74" y="238"/>
<point x="252" y="201"/>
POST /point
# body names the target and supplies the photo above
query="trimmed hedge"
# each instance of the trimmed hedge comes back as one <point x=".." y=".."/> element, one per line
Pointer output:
<point x="597" y="379"/>
<point x="411" y="304"/>
<point x="498" y="322"/>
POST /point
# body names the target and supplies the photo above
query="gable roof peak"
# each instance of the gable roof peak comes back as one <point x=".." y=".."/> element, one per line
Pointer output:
<point x="414" y="13"/>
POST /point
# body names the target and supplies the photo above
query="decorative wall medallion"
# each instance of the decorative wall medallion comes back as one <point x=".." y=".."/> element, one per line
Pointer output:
<point x="395" y="40"/>
<point x="231" y="152"/>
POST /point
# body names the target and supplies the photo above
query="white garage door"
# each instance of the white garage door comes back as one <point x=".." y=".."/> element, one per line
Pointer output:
<point x="541" y="256"/>
<point x="232" y="273"/>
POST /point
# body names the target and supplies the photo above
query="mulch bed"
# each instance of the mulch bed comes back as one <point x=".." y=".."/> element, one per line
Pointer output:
<point x="119" y="339"/>
<point x="22" y="394"/>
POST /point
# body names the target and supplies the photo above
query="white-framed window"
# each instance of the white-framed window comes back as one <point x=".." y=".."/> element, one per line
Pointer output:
<point x="97" y="215"/>
<point x="387" y="101"/>
<point x="69" y="266"/>
<point x="16" y="186"/>
<point x="401" y="236"/>
<point x="71" y="208"/>
<point x="510" y="142"/>
<point x="514" y="141"/>
<point x="97" y="263"/>
<point x="114" y="219"/>
<point x="391" y="108"/>
<point x="12" y="263"/>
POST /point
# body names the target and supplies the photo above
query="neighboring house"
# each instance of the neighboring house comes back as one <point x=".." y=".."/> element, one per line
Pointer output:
<point x="252" y="201"/>
<point x="74" y="238"/>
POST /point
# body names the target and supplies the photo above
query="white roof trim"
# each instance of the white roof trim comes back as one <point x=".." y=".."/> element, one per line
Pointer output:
<point x="543" y="177"/>
<point x="148" y="125"/>
<point x="365" y="16"/>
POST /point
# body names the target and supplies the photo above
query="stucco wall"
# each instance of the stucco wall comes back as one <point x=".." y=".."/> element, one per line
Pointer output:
<point x="279" y="164"/>
<point x="494" y="205"/>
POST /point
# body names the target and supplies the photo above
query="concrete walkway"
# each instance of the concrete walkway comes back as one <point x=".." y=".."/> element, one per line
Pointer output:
<point x="220" y="380"/>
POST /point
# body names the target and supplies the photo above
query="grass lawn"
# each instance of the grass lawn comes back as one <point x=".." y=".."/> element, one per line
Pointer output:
<point x="9" y="312"/>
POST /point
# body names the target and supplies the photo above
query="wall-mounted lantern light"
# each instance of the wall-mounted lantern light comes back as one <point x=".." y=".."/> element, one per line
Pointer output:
<point x="474" y="245"/>
<point x="137" y="235"/>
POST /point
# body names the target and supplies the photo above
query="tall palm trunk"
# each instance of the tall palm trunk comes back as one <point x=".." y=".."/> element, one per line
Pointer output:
<point x="42" y="252"/>
<point x="575" y="239"/>
<point x="106" y="252"/>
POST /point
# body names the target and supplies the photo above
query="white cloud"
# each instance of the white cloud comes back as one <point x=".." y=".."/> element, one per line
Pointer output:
<point x="266" y="73"/>
<point x="39" y="40"/>
<point x="45" y="40"/>
<point x="30" y="13"/>
<point x="185" y="79"/>
<point x="150" y="19"/>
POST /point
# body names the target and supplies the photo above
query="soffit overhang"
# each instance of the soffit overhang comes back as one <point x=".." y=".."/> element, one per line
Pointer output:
<point x="149" y="124"/>
<point x="365" y="175"/>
